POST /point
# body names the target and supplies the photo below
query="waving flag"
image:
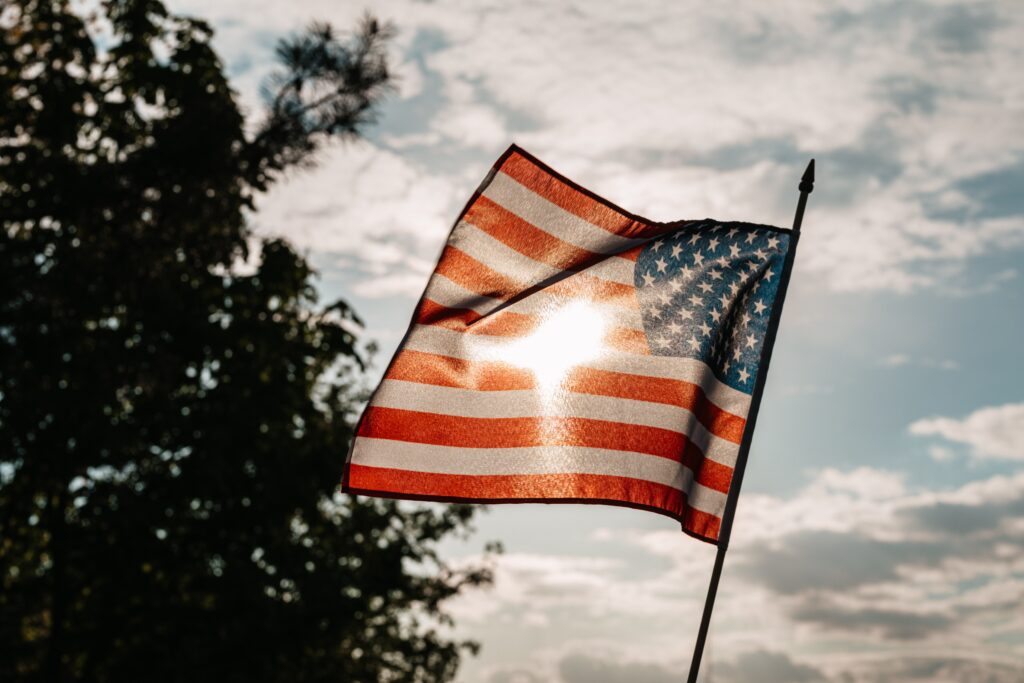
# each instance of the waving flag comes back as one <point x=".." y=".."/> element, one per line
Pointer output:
<point x="566" y="350"/>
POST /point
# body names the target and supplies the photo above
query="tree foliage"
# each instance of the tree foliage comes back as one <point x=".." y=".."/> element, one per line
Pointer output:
<point x="172" y="428"/>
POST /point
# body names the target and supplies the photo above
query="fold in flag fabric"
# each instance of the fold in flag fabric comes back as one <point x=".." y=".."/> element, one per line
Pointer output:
<point x="566" y="351"/>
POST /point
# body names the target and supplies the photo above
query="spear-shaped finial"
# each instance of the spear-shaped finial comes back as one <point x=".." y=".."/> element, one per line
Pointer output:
<point x="807" y="181"/>
<point x="806" y="187"/>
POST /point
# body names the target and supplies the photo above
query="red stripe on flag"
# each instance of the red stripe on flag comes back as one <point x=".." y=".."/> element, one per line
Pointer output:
<point x="430" y="312"/>
<point x="589" y="288"/>
<point x="428" y="368"/>
<point x="577" y="202"/>
<point x="500" y="324"/>
<point x="444" y="371"/>
<point x="526" y="238"/>
<point x="627" y="340"/>
<point x="658" y="390"/>
<point x="534" y="488"/>
<point x="631" y="254"/>
<point x="470" y="274"/>
<point x="524" y="432"/>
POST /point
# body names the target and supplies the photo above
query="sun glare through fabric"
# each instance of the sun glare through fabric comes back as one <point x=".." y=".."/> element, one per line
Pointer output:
<point x="567" y="336"/>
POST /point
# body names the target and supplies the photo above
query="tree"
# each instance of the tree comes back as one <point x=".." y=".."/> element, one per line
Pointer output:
<point x="172" y="428"/>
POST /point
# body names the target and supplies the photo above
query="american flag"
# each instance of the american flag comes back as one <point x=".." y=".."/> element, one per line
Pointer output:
<point x="566" y="350"/>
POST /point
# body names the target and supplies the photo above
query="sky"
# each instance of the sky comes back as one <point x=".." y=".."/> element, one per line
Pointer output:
<point x="880" y="534"/>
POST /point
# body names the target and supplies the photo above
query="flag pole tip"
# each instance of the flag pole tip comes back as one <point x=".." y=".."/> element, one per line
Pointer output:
<point x="807" y="181"/>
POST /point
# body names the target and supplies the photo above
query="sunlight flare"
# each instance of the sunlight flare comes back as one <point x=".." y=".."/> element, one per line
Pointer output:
<point x="569" y="335"/>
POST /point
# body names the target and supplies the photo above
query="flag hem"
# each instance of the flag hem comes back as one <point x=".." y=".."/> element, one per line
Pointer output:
<point x="516" y="149"/>
<point x="391" y="495"/>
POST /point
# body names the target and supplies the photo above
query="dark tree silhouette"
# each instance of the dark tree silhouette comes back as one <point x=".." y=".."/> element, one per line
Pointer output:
<point x="172" y="428"/>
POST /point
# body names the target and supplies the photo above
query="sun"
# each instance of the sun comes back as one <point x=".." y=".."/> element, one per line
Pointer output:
<point x="568" y="336"/>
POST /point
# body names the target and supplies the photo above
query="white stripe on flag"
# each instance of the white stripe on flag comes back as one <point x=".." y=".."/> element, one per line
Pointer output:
<point x="538" y="211"/>
<point x="500" y="257"/>
<point x="504" y="259"/>
<point x="444" y="342"/>
<point x="614" y="269"/>
<point x="458" y="402"/>
<point x="418" y="457"/>
<point x="443" y="291"/>
<point x="450" y="294"/>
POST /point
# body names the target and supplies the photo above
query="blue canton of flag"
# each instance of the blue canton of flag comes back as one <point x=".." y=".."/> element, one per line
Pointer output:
<point x="707" y="292"/>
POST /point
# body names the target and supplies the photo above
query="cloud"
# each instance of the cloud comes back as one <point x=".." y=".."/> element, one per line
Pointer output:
<point x="964" y="30"/>
<point x="856" y="561"/>
<point x="766" y="667"/>
<point x="759" y="665"/>
<point x="941" y="453"/>
<point x="995" y="433"/>
<point x="530" y="588"/>
<point x="871" y="229"/>
<point x="888" y="623"/>
<point x="681" y="111"/>
<point x="516" y="676"/>
<point x="948" y="669"/>
<point x="856" y="552"/>
<point x="468" y="121"/>
<point x="381" y="216"/>
<point x="841" y="561"/>
<point x="899" y="360"/>
<point x="586" y="669"/>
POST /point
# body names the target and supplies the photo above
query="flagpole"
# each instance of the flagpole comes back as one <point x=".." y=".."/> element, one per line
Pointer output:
<point x="806" y="187"/>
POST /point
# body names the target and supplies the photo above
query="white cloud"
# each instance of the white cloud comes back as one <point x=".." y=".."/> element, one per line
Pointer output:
<point x="472" y="125"/>
<point x="530" y="585"/>
<point x="683" y="111"/>
<point x="898" y="360"/>
<point x="965" y="668"/>
<point x="996" y="432"/>
<point x="854" y="571"/>
<point x="941" y="454"/>
<point x="383" y="215"/>
<point x="467" y="122"/>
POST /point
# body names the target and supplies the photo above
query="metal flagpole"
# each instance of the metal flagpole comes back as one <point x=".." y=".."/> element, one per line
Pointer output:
<point x="806" y="187"/>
